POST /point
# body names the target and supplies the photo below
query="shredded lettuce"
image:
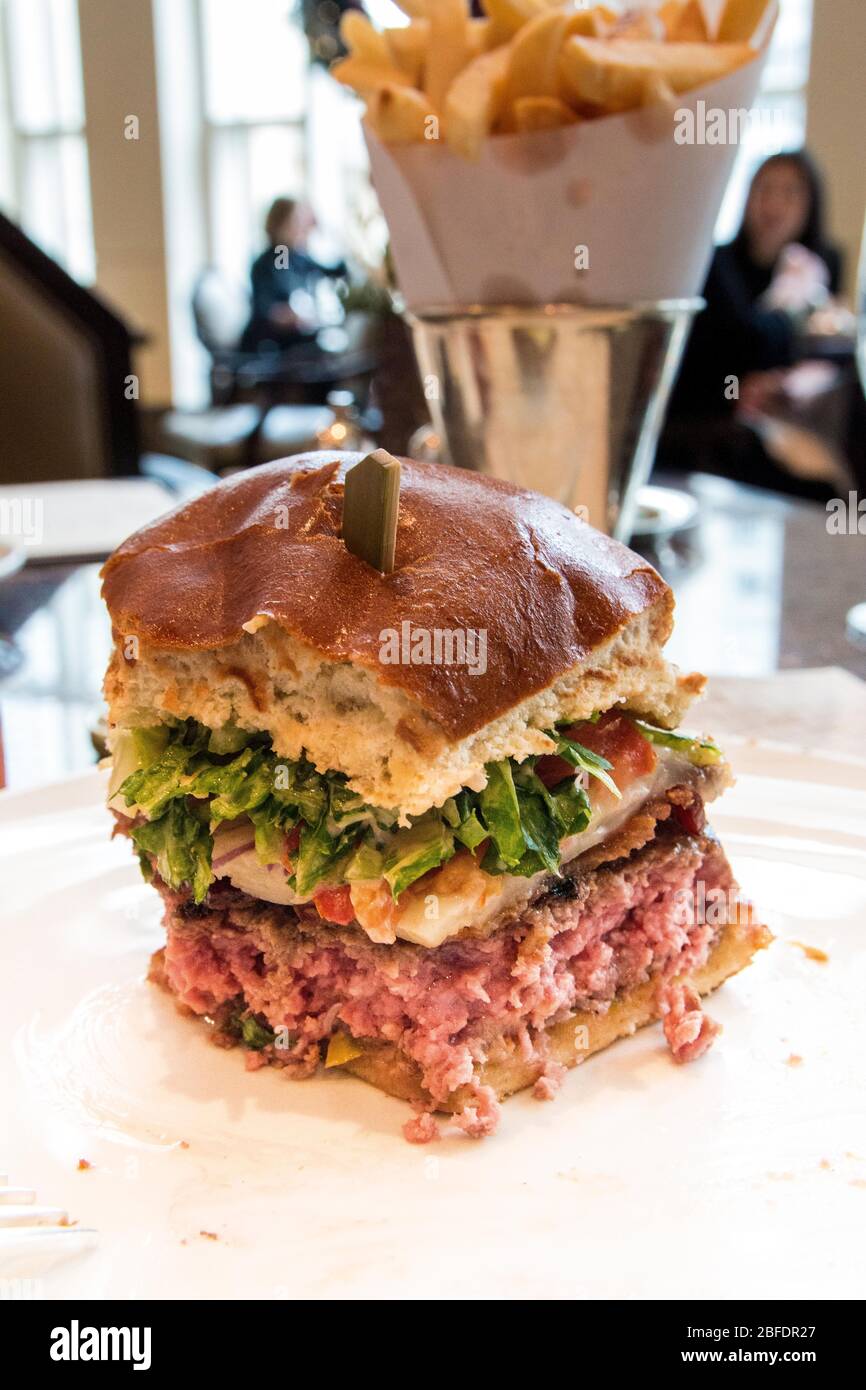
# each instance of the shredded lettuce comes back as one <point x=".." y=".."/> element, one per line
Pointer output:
<point x="365" y="862"/>
<point x="191" y="779"/>
<point x="500" y="811"/>
<point x="254" y="1035"/>
<point x="150" y="743"/>
<point x="322" y="857"/>
<point x="243" y="1024"/>
<point x="182" y="846"/>
<point x="412" y="852"/>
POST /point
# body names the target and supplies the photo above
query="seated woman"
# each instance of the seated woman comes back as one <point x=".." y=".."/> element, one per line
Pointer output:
<point x="760" y="291"/>
<point x="284" y="279"/>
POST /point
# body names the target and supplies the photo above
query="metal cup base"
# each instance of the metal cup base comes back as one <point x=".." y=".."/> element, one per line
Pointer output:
<point x="563" y="399"/>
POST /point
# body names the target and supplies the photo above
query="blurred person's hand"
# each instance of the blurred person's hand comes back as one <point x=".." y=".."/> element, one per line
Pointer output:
<point x="758" y="391"/>
<point x="809" y="380"/>
<point x="798" y="387"/>
<point x="833" y="320"/>
<point x="283" y="316"/>
<point x="800" y="282"/>
<point x="287" y="316"/>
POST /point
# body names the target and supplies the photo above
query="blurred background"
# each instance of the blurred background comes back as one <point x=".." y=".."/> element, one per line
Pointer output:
<point x="153" y="153"/>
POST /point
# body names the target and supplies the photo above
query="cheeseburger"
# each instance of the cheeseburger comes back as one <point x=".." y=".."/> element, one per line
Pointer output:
<point x="435" y="826"/>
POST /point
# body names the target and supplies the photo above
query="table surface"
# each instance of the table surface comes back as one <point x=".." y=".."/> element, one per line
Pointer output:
<point x="762" y="584"/>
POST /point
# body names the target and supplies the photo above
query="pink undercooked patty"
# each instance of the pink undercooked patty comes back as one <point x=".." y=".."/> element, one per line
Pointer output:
<point x="601" y="933"/>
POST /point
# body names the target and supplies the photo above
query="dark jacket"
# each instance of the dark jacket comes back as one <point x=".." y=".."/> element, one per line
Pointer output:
<point x="275" y="284"/>
<point x="735" y="335"/>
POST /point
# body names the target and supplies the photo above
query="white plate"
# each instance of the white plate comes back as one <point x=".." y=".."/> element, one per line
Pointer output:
<point x="740" y="1176"/>
<point x="662" y="511"/>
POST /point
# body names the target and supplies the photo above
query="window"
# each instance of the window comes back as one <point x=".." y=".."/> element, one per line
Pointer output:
<point x="779" y="116"/>
<point x="255" y="82"/>
<point x="44" y="181"/>
<point x="274" y="124"/>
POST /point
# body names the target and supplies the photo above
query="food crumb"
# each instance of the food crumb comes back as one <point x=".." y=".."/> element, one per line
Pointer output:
<point x="421" y="1129"/>
<point x="812" y="952"/>
<point x="64" y="1221"/>
<point x="549" y="1082"/>
<point x="209" y="1235"/>
<point x="825" y="1163"/>
<point x="795" y="1060"/>
<point x="84" y="1164"/>
<point x="184" y="1144"/>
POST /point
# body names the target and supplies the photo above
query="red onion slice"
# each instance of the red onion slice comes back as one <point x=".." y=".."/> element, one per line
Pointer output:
<point x="231" y="854"/>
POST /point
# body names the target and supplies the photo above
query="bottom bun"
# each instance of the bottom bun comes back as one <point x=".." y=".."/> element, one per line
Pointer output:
<point x="571" y="1040"/>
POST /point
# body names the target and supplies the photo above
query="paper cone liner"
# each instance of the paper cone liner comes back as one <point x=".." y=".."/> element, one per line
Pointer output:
<point x="505" y="229"/>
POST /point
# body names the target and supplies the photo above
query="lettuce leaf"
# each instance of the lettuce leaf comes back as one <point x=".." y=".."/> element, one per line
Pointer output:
<point x="321" y="857"/>
<point x="182" y="845"/>
<point x="365" y="862"/>
<point x="150" y="743"/>
<point x="270" y="837"/>
<point x="700" y="752"/>
<point x="254" y="1035"/>
<point x="500" y="812"/>
<point x="192" y="779"/>
<point x="412" y="852"/>
<point x="586" y="761"/>
<point x="243" y="1024"/>
<point x="153" y="788"/>
<point x="228" y="739"/>
<point x="540" y="831"/>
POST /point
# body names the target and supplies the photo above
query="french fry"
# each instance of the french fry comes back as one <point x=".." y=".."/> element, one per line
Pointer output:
<point x="408" y="49"/>
<point x="541" y="113"/>
<point x="450" y="48"/>
<point x="533" y="64"/>
<point x="368" y="77"/>
<point x="658" y="91"/>
<point x="399" y="115"/>
<point x="415" y="9"/>
<point x="614" y="75"/>
<point x="669" y="14"/>
<point x="482" y="36"/>
<point x="508" y="16"/>
<point x="638" y="24"/>
<point x="592" y="24"/>
<point x="362" y="39"/>
<point x="740" y="19"/>
<point x="604" y="17"/>
<point x="684" y="22"/>
<point x="474" y="102"/>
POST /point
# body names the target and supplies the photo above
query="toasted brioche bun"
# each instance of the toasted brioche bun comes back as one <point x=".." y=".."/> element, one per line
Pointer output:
<point x="247" y="606"/>
<point x="385" y="1066"/>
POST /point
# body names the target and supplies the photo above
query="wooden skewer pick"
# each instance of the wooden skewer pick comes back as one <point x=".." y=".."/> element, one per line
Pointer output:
<point x="371" y="502"/>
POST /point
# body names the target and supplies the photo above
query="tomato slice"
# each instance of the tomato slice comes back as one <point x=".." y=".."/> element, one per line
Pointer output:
<point x="615" y="738"/>
<point x="335" y="905"/>
<point x="552" y="769"/>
